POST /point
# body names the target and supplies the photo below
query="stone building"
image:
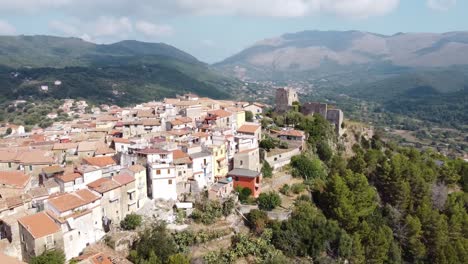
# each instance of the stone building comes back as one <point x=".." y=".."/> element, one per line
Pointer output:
<point x="285" y="97"/>
<point x="310" y="108"/>
<point x="335" y="116"/>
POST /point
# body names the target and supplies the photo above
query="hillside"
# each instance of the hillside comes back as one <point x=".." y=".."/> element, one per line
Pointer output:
<point x="314" y="54"/>
<point x="123" y="73"/>
<point x="439" y="96"/>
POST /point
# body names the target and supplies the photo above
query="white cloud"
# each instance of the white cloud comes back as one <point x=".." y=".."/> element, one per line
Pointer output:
<point x="147" y="9"/>
<point x="441" y="5"/>
<point x="290" y="8"/>
<point x="103" y="29"/>
<point x="208" y="43"/>
<point x="152" y="30"/>
<point x="109" y="26"/>
<point x="6" y="28"/>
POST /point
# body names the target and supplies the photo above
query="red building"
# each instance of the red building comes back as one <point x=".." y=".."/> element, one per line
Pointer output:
<point x="247" y="179"/>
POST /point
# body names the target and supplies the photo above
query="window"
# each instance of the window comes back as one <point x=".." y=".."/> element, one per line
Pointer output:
<point x="22" y="237"/>
<point x="71" y="238"/>
<point x="168" y="171"/>
<point x="169" y="182"/>
<point x="49" y="241"/>
<point x="158" y="172"/>
<point x="30" y="167"/>
<point x="204" y="161"/>
<point x="9" y="165"/>
<point x="236" y="178"/>
<point x="241" y="162"/>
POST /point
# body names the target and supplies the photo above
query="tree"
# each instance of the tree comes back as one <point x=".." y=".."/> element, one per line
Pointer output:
<point x="307" y="168"/>
<point x="249" y="116"/>
<point x="324" y="151"/>
<point x="269" y="201"/>
<point x="131" y="221"/>
<point x="267" y="170"/>
<point x="244" y="194"/>
<point x="178" y="259"/>
<point x="267" y="144"/>
<point x="49" y="257"/>
<point x="257" y="220"/>
<point x="155" y="244"/>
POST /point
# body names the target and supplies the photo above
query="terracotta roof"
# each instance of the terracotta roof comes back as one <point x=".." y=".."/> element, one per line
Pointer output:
<point x="291" y="132"/>
<point x="145" y="113"/>
<point x="70" y="201"/>
<point x="65" y="146"/>
<point x="220" y="113"/>
<point x="95" y="258"/>
<point x="178" y="154"/>
<point x="124" y="179"/>
<point x="200" y="135"/>
<point x="87" y="146"/>
<point x="69" y="177"/>
<point x="136" y="168"/>
<point x="122" y="140"/>
<point x="103" y="185"/>
<point x="38" y="192"/>
<point x="250" y="129"/>
<point x="16" y="179"/>
<point x="52" y="169"/>
<point x="179" y="132"/>
<point x="100" y="161"/>
<point x="35" y="157"/>
<point x="151" y="122"/>
<point x="39" y="225"/>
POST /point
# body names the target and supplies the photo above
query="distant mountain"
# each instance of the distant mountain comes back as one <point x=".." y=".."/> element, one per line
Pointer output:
<point x="124" y="72"/>
<point x="439" y="96"/>
<point x="314" y="54"/>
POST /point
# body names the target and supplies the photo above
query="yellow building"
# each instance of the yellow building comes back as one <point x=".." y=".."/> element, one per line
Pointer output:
<point x="240" y="118"/>
<point x="220" y="164"/>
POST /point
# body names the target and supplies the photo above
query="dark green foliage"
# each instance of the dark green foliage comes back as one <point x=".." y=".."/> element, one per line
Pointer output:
<point x="178" y="259"/>
<point x="207" y="211"/>
<point x="49" y="257"/>
<point x="267" y="170"/>
<point x="228" y="206"/>
<point x="297" y="188"/>
<point x="249" y="116"/>
<point x="309" y="233"/>
<point x="268" y="201"/>
<point x="285" y="189"/>
<point x="155" y="245"/>
<point x="267" y="144"/>
<point x="131" y="222"/>
<point x="8" y="131"/>
<point x="324" y="151"/>
<point x="308" y="168"/>
<point x="257" y="220"/>
<point x="187" y="238"/>
<point x="244" y="194"/>
<point x="121" y="73"/>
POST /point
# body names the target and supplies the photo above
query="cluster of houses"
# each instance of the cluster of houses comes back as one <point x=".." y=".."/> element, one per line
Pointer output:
<point x="65" y="186"/>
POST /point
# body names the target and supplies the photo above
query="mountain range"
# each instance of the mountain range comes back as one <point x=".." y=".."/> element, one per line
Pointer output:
<point x="124" y="72"/>
<point x="314" y="54"/>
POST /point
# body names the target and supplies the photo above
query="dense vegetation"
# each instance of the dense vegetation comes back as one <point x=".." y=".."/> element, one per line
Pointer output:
<point x="122" y="73"/>
<point x="385" y="204"/>
<point x="49" y="257"/>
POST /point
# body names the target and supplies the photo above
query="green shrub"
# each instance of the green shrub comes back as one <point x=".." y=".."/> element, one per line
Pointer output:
<point x="297" y="188"/>
<point x="286" y="189"/>
<point x="268" y="201"/>
<point x="267" y="170"/>
<point x="49" y="257"/>
<point x="131" y="221"/>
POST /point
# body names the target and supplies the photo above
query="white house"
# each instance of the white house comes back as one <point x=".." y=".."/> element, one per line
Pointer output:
<point x="202" y="167"/>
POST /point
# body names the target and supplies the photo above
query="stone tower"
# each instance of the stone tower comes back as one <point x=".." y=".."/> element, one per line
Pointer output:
<point x="285" y="98"/>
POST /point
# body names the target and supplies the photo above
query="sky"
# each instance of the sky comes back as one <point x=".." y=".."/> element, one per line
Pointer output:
<point x="213" y="30"/>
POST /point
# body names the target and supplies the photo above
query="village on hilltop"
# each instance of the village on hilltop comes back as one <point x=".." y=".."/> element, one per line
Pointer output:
<point x="66" y="186"/>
